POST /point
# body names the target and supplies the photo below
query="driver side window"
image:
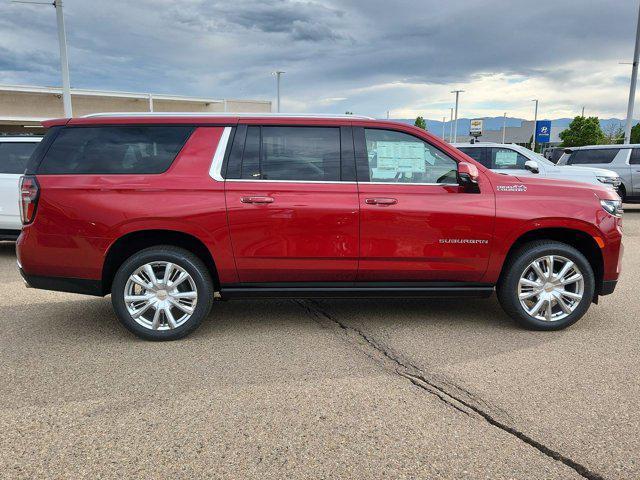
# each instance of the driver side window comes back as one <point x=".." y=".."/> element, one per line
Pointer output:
<point x="396" y="157"/>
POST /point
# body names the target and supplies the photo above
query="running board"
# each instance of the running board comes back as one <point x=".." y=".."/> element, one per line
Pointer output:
<point x="433" y="290"/>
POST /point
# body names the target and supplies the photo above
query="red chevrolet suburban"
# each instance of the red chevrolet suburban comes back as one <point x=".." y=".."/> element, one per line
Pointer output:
<point x="167" y="212"/>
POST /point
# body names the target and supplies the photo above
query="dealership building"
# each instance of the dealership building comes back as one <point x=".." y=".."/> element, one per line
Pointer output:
<point x="22" y="108"/>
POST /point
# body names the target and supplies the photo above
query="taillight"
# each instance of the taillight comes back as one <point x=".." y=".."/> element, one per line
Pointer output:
<point x="29" y="194"/>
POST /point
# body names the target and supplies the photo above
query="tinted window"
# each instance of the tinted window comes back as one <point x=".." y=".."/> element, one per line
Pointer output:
<point x="505" y="158"/>
<point x="477" y="154"/>
<point x="401" y="158"/>
<point x="635" y="156"/>
<point x="109" y="150"/>
<point x="292" y="153"/>
<point x="14" y="156"/>
<point x="582" y="157"/>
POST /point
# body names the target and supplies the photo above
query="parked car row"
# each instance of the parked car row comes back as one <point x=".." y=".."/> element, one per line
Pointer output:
<point x="166" y="212"/>
<point x="14" y="154"/>
<point x="516" y="160"/>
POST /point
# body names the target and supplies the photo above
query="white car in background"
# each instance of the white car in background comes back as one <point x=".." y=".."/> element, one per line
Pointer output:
<point x="14" y="154"/>
<point x="516" y="160"/>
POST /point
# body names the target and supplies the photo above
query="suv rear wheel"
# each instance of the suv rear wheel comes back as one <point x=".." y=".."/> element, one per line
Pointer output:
<point x="547" y="285"/>
<point x="162" y="293"/>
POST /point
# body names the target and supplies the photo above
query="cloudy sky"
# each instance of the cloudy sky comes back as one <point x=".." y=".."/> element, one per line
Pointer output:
<point x="365" y="56"/>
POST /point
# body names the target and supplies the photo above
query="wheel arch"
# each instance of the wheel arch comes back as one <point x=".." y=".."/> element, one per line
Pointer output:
<point x="579" y="239"/>
<point x="132" y="242"/>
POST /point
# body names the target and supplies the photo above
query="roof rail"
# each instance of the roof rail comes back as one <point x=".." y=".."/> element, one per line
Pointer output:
<point x="223" y="114"/>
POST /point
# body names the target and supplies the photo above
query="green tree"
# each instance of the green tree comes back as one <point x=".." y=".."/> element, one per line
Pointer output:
<point x="615" y="134"/>
<point x="635" y="133"/>
<point x="420" y="123"/>
<point x="583" y="131"/>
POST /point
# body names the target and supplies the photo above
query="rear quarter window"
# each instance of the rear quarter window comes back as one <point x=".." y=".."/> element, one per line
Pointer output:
<point x="593" y="156"/>
<point x="114" y="150"/>
<point x="15" y="155"/>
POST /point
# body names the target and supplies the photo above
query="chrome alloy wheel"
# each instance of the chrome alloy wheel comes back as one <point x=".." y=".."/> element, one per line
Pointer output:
<point x="160" y="295"/>
<point x="551" y="288"/>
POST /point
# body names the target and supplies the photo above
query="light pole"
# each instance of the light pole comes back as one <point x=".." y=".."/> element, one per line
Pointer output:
<point x="64" y="61"/>
<point x="632" y="88"/>
<point x="277" y="73"/>
<point x="535" y="122"/>
<point x="451" y="127"/>
<point x="504" y="126"/>
<point x="455" y="128"/>
<point x="444" y="121"/>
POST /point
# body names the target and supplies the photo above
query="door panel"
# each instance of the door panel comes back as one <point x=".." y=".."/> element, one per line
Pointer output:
<point x="429" y="233"/>
<point x="307" y="232"/>
<point x="417" y="223"/>
<point x="9" y="213"/>
<point x="293" y="205"/>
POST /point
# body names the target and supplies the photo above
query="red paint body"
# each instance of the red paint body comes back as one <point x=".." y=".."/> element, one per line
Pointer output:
<point x="310" y="232"/>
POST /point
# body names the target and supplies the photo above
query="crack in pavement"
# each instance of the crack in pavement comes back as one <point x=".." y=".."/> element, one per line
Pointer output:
<point x="419" y="378"/>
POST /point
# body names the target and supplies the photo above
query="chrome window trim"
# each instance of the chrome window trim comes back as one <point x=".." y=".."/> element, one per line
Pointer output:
<point x="344" y="183"/>
<point x="215" y="171"/>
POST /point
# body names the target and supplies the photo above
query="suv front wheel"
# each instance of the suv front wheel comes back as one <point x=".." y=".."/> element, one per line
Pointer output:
<point x="546" y="285"/>
<point x="162" y="293"/>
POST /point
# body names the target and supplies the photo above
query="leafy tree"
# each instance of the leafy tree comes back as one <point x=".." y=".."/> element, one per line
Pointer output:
<point x="635" y="133"/>
<point x="583" y="131"/>
<point x="420" y="123"/>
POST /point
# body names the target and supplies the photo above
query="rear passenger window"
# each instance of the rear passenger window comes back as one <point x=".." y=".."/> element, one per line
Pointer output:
<point x="14" y="156"/>
<point x="114" y="150"/>
<point x="292" y="153"/>
<point x="635" y="157"/>
<point x="590" y="156"/>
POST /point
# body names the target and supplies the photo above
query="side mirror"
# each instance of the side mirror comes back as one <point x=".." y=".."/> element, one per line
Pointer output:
<point x="532" y="166"/>
<point x="467" y="174"/>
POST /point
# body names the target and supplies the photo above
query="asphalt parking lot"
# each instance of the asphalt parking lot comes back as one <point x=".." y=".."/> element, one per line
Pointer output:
<point x="320" y="389"/>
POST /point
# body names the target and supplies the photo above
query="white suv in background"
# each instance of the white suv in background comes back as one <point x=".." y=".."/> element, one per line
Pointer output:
<point x="14" y="154"/>
<point x="516" y="160"/>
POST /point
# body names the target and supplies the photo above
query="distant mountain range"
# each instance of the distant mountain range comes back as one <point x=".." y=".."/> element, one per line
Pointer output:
<point x="495" y="123"/>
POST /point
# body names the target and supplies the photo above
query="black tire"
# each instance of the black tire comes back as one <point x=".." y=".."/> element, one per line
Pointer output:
<point x="622" y="192"/>
<point x="507" y="288"/>
<point x="185" y="260"/>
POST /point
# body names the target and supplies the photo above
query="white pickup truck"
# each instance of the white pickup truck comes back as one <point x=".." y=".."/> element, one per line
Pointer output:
<point x="14" y="154"/>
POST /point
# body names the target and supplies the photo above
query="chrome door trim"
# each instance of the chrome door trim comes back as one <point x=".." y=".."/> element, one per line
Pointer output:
<point x="215" y="171"/>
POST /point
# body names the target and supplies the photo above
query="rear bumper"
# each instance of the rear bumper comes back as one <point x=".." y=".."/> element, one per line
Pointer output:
<point x="63" y="284"/>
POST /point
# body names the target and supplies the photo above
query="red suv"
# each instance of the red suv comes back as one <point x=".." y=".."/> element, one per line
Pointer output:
<point x="167" y="212"/>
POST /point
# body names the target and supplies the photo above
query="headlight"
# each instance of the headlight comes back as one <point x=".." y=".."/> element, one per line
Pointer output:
<point x="614" y="207"/>
<point x="613" y="181"/>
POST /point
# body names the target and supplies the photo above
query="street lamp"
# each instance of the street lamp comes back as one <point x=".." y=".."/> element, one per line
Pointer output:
<point x="455" y="128"/>
<point x="277" y="73"/>
<point x="64" y="61"/>
<point x="535" y="121"/>
<point x="451" y="127"/>
<point x="504" y="127"/>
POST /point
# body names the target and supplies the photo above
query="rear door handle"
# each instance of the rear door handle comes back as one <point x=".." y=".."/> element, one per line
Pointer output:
<point x="258" y="200"/>
<point x="380" y="201"/>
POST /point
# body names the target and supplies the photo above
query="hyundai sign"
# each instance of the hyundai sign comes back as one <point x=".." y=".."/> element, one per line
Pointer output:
<point x="543" y="131"/>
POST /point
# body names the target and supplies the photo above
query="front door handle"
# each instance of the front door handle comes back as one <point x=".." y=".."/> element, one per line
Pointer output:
<point x="380" y="201"/>
<point x="259" y="200"/>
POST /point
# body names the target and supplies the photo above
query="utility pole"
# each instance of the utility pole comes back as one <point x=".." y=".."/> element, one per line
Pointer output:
<point x="387" y="114"/>
<point x="455" y="128"/>
<point x="64" y="61"/>
<point x="583" y="111"/>
<point x="632" y="88"/>
<point x="451" y="127"/>
<point x="277" y="73"/>
<point x="444" y="121"/>
<point x="535" y="122"/>
<point x="504" y="127"/>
